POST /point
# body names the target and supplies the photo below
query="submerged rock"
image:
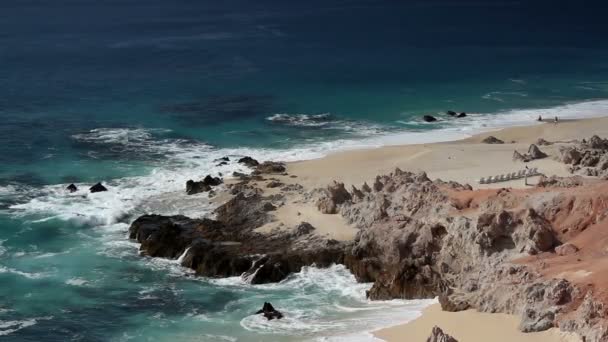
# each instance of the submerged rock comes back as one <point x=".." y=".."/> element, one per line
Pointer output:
<point x="451" y="113"/>
<point x="97" y="188"/>
<point x="269" y="312"/>
<point x="461" y="115"/>
<point x="429" y="118"/>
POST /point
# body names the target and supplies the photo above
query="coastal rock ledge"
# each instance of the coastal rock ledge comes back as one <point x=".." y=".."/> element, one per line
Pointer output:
<point x="491" y="250"/>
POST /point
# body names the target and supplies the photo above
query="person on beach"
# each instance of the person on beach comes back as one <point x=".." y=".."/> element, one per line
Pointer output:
<point x="555" y="120"/>
<point x="526" y="176"/>
<point x="540" y="118"/>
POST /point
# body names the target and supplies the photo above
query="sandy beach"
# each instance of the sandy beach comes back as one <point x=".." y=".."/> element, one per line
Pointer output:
<point x="469" y="326"/>
<point x="463" y="161"/>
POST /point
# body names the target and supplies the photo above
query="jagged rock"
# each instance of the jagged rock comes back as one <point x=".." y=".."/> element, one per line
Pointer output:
<point x="566" y="249"/>
<point x="366" y="188"/>
<point x="461" y="115"/>
<point x="451" y="113"/>
<point x="335" y="195"/>
<point x="492" y="140"/>
<point x="269" y="207"/>
<point x="97" y="188"/>
<point x="429" y="118"/>
<point x="269" y="312"/>
<point x="248" y="161"/>
<point x="570" y="155"/>
<point x="452" y="304"/>
<point x="520" y="157"/>
<point x="270" y="167"/>
<point x="223" y="159"/>
<point x="304" y="228"/>
<point x="72" y="188"/>
<point x="535" y="153"/>
<point x="357" y="194"/>
<point x="533" y="320"/>
<point x="193" y="187"/>
<point x="437" y="335"/>
<point x="598" y="143"/>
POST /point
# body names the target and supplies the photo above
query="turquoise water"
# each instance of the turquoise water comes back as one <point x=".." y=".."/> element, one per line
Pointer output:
<point x="145" y="95"/>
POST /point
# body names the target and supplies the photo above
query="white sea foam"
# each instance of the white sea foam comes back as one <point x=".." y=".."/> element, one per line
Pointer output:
<point x="9" y="327"/>
<point x="28" y="275"/>
<point x="76" y="282"/>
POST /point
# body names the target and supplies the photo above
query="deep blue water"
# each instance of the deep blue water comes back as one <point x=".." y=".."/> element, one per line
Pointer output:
<point x="143" y="95"/>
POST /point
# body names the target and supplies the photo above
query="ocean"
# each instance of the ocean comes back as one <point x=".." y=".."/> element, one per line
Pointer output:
<point x="145" y="94"/>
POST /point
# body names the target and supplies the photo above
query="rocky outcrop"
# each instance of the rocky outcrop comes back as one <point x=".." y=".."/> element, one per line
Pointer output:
<point x="429" y="118"/>
<point x="589" y="158"/>
<point x="270" y="167"/>
<point x="248" y="161"/>
<point x="269" y="312"/>
<point x="97" y="188"/>
<point x="437" y="335"/>
<point x="205" y="185"/>
<point x="334" y="196"/>
<point x="492" y="140"/>
<point x="559" y="182"/>
<point x="533" y="153"/>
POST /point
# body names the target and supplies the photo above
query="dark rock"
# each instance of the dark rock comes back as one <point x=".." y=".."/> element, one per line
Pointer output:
<point x="437" y="335"/>
<point x="429" y="118"/>
<point x="461" y="115"/>
<point x="451" y="113"/>
<point x="222" y="163"/>
<point x="248" y="161"/>
<point x="269" y="312"/>
<point x="223" y="159"/>
<point x="269" y="207"/>
<point x="97" y="188"/>
<point x="596" y="142"/>
<point x="492" y="140"/>
<point x="212" y="181"/>
<point x="304" y="228"/>
<point x="72" y="188"/>
<point x="193" y="187"/>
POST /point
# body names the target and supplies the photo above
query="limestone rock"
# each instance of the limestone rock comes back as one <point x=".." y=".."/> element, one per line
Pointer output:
<point x="535" y="153"/>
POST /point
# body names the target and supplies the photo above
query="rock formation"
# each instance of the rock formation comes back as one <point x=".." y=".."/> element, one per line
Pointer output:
<point x="72" y="188"/>
<point x="269" y="312"/>
<point x="205" y="185"/>
<point x="492" y="140"/>
<point x="437" y="335"/>
<point x="417" y="239"/>
<point x="533" y="153"/>
<point x="97" y="188"/>
<point x="248" y="161"/>
<point x="429" y="118"/>
<point x="589" y="158"/>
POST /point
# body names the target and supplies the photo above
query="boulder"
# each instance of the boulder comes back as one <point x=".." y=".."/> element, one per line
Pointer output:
<point x="452" y="304"/>
<point x="212" y="181"/>
<point x="269" y="312"/>
<point x="97" y="188"/>
<point x="248" y="161"/>
<point x="72" y="188"/>
<point x="566" y="249"/>
<point x="451" y="113"/>
<point x="437" y="335"/>
<point x="570" y="155"/>
<point x="492" y="140"/>
<point x="193" y="187"/>
<point x="429" y="118"/>
<point x="304" y="228"/>
<point x="535" y="153"/>
<point x="461" y="115"/>
<point x="334" y="196"/>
